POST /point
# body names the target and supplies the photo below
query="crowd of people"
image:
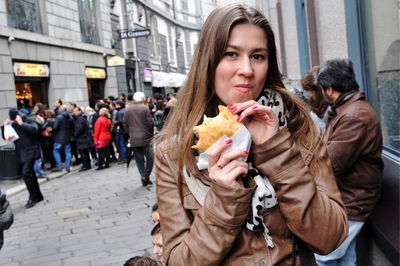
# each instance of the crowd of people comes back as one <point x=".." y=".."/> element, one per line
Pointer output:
<point x="72" y="135"/>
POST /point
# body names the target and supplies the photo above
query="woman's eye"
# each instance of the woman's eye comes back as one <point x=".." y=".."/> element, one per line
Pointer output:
<point x="230" y="54"/>
<point x="258" y="57"/>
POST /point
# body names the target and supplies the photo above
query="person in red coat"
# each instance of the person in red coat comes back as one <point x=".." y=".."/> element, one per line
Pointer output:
<point x="102" y="138"/>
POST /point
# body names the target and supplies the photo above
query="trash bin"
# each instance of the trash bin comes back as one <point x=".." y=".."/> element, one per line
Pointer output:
<point x="9" y="164"/>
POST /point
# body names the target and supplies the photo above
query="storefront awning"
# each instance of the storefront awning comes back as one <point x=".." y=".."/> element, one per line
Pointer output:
<point x="163" y="79"/>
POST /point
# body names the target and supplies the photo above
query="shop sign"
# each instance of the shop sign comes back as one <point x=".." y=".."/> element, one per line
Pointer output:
<point x="95" y="73"/>
<point x="134" y="34"/>
<point x="147" y="75"/>
<point x="116" y="61"/>
<point x="31" y="70"/>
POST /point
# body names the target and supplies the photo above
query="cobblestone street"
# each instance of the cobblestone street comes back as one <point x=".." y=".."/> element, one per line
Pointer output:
<point x="88" y="218"/>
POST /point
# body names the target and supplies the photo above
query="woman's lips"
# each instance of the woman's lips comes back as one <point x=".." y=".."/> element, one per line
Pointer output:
<point x="243" y="87"/>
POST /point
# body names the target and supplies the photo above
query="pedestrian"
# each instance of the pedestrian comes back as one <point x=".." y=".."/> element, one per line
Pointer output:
<point x="57" y="104"/>
<point x="63" y="129"/>
<point x="89" y="113"/>
<point x="28" y="151"/>
<point x="141" y="261"/>
<point x="219" y="216"/>
<point x="319" y="108"/>
<point x="157" y="240"/>
<point x="122" y="97"/>
<point x="6" y="215"/>
<point x="37" y="166"/>
<point x="83" y="138"/>
<point x="159" y="116"/>
<point x="139" y="124"/>
<point x="354" y="140"/>
<point x="121" y="134"/>
<point x="155" y="216"/>
<point x="102" y="138"/>
<point x="48" y="139"/>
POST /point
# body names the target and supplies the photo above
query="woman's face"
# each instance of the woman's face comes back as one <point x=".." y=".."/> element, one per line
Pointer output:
<point x="242" y="71"/>
<point x="158" y="247"/>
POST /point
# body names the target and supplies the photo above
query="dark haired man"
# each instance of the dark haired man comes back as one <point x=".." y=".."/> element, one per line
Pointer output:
<point x="354" y="142"/>
<point x="83" y="137"/>
<point x="57" y="104"/>
<point x="27" y="147"/>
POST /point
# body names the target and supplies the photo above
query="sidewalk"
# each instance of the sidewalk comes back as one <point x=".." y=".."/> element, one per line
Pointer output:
<point x="86" y="218"/>
<point x="13" y="187"/>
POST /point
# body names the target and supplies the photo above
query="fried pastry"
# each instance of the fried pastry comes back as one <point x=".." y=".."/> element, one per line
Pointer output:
<point x="212" y="129"/>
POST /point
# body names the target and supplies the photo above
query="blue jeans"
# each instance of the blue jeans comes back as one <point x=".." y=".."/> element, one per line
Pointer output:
<point x="122" y="146"/>
<point x="56" y="152"/>
<point x="37" y="166"/>
<point x="345" y="254"/>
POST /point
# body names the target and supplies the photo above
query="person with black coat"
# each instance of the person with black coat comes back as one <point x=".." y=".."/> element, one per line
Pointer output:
<point x="28" y="150"/>
<point x="63" y="129"/>
<point x="83" y="138"/>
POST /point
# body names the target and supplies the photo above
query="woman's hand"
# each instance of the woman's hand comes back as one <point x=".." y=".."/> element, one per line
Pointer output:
<point x="260" y="120"/>
<point x="225" y="168"/>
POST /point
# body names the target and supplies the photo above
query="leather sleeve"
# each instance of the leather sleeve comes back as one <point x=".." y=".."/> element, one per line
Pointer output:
<point x="308" y="196"/>
<point x="345" y="143"/>
<point x="206" y="238"/>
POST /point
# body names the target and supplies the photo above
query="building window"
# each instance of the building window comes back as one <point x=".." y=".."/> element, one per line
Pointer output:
<point x="185" y="5"/>
<point x="88" y="22"/>
<point x="154" y="46"/>
<point x="383" y="68"/>
<point x="188" y="48"/>
<point x="171" y="46"/>
<point x="24" y="15"/>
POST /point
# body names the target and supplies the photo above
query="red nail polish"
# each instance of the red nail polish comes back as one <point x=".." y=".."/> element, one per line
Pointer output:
<point x="229" y="105"/>
<point x="238" y="118"/>
<point x="234" y="109"/>
<point x="228" y="141"/>
<point x="246" y="152"/>
<point x="254" y="107"/>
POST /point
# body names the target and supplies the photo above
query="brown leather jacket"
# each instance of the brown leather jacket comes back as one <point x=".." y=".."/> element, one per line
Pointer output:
<point x="310" y="206"/>
<point x="139" y="124"/>
<point x="355" y="146"/>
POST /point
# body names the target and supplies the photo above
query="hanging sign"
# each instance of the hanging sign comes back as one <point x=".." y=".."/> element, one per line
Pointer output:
<point x="116" y="61"/>
<point x="134" y="34"/>
<point x="31" y="70"/>
<point x="95" y="73"/>
<point x="147" y="75"/>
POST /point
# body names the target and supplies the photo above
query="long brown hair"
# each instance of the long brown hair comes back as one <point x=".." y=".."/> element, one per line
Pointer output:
<point x="197" y="96"/>
<point x="309" y="83"/>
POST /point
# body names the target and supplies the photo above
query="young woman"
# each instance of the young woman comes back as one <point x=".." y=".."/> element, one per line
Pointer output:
<point x="102" y="138"/>
<point x="211" y="217"/>
<point x="319" y="108"/>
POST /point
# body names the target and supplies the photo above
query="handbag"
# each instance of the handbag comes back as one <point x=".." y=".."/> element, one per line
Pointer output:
<point x="10" y="134"/>
<point x="6" y="214"/>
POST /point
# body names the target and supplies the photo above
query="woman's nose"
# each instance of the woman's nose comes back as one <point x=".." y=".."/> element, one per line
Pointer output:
<point x="245" y="67"/>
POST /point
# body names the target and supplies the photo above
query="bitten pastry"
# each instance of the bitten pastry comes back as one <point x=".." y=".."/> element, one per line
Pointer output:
<point x="212" y="129"/>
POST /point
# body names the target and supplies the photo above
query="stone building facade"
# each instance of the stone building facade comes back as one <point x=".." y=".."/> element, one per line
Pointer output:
<point x="52" y="49"/>
<point x="158" y="60"/>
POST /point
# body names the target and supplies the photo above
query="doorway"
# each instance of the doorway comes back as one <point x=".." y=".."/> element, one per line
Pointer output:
<point x="32" y="91"/>
<point x="95" y="91"/>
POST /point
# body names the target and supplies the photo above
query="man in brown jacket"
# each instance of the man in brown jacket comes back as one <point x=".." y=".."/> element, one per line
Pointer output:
<point x="354" y="146"/>
<point x="139" y="123"/>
